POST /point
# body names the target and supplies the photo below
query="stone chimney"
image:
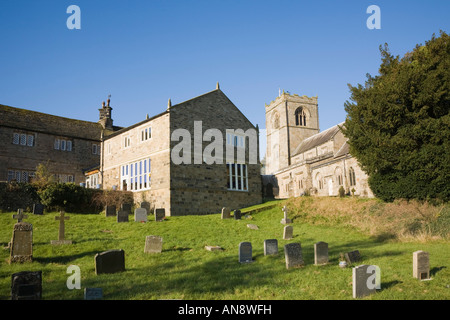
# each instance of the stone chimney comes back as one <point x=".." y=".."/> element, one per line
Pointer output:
<point x="105" y="116"/>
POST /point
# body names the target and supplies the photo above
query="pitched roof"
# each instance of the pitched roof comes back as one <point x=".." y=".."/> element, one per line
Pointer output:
<point x="46" y="123"/>
<point x="317" y="139"/>
<point x="345" y="149"/>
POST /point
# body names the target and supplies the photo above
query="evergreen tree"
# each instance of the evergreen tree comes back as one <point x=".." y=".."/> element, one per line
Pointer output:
<point x="398" y="123"/>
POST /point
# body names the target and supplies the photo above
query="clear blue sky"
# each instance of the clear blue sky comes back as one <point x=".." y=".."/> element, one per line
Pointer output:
<point x="145" y="52"/>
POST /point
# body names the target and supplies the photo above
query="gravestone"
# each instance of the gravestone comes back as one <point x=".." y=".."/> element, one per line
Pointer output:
<point x="145" y="205"/>
<point x="21" y="248"/>
<point x="293" y="255"/>
<point x="320" y="253"/>
<point x="213" y="248"/>
<point x="38" y="209"/>
<point x="270" y="247"/>
<point x="362" y="284"/>
<point x="252" y="226"/>
<point x="226" y="213"/>
<point x="245" y="252"/>
<point x="352" y="257"/>
<point x="26" y="285"/>
<point x="160" y="214"/>
<point x="153" y="244"/>
<point x="19" y="216"/>
<point x="110" y="211"/>
<point x="93" y="293"/>
<point x="237" y="214"/>
<point x="122" y="216"/>
<point x="140" y="215"/>
<point x="127" y="207"/>
<point x="61" y="233"/>
<point x="285" y="219"/>
<point x="110" y="261"/>
<point x="288" y="232"/>
<point x="421" y="265"/>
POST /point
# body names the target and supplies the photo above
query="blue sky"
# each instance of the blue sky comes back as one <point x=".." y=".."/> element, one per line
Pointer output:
<point x="145" y="52"/>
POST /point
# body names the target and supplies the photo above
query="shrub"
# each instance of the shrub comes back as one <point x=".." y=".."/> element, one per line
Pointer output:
<point x="15" y="196"/>
<point x="341" y="192"/>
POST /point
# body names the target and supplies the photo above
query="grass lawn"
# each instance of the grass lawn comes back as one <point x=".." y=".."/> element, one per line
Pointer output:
<point x="185" y="270"/>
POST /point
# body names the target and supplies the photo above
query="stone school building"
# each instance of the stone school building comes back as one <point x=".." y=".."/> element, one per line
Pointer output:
<point x="144" y="158"/>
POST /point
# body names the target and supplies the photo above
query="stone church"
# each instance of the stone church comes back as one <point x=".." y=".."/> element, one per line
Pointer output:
<point x="300" y="159"/>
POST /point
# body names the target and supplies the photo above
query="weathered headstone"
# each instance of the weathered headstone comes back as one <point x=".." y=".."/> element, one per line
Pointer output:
<point x="352" y="257"/>
<point x="237" y="214"/>
<point x="19" y="216"/>
<point x="61" y="233"/>
<point x="270" y="247"/>
<point x="245" y="252"/>
<point x="127" y="207"/>
<point x="288" y="232"/>
<point x="93" y="293"/>
<point x="38" y="209"/>
<point x="226" y="213"/>
<point x="21" y="248"/>
<point x="213" y="248"/>
<point x="140" y="215"/>
<point x="320" y="253"/>
<point x="110" y="211"/>
<point x="122" y="216"/>
<point x="153" y="244"/>
<point x="421" y="265"/>
<point x="293" y="255"/>
<point x="145" y="205"/>
<point x="160" y="214"/>
<point x="285" y="219"/>
<point x="26" y="285"/>
<point x="252" y="226"/>
<point x="110" y="261"/>
<point x="364" y="280"/>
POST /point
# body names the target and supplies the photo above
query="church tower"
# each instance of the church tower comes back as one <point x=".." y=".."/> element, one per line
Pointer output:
<point x="290" y="119"/>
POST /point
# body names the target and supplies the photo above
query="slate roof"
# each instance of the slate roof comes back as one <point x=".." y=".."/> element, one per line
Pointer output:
<point x="317" y="139"/>
<point x="345" y="149"/>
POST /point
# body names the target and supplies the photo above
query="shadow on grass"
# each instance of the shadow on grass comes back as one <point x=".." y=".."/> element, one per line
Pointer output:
<point x="64" y="259"/>
<point x="436" y="270"/>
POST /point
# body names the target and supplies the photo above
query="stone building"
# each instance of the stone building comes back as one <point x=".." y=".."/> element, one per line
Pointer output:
<point x="300" y="159"/>
<point x="166" y="159"/>
<point x="66" y="146"/>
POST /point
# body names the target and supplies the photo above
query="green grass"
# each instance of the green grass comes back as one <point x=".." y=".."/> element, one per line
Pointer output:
<point x="185" y="270"/>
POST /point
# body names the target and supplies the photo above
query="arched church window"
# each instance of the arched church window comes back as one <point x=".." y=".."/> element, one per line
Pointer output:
<point x="300" y="117"/>
<point x="352" y="176"/>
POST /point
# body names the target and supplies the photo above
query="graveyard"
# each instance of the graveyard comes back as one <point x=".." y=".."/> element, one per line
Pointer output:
<point x="266" y="252"/>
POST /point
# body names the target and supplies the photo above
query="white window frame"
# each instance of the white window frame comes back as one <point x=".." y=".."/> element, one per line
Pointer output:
<point x="137" y="175"/>
<point x="240" y="176"/>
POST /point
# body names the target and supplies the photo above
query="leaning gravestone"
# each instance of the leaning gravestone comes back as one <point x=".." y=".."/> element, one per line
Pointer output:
<point x="320" y="253"/>
<point x="362" y="284"/>
<point x="140" y="215"/>
<point x="110" y="211"/>
<point x="421" y="265"/>
<point x="352" y="257"/>
<point x="26" y="285"/>
<point x="110" y="261"/>
<point x="237" y="214"/>
<point x="226" y="213"/>
<point x="245" y="252"/>
<point x="145" y="205"/>
<point x="153" y="244"/>
<point x="288" y="232"/>
<point x="122" y="216"/>
<point x="160" y="214"/>
<point x="61" y="233"/>
<point x="293" y="255"/>
<point x="270" y="247"/>
<point x="21" y="248"/>
<point x="38" y="209"/>
<point x="93" y="293"/>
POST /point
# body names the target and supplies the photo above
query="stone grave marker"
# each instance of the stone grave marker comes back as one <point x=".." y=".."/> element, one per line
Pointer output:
<point x="245" y="252"/>
<point x="160" y="214"/>
<point x="26" y="285"/>
<point x="19" y="216"/>
<point x="226" y="213"/>
<point x="270" y="247"/>
<point x="38" y="209"/>
<point x="21" y="248"/>
<point x="153" y="244"/>
<point x="421" y="265"/>
<point x="93" y="293"/>
<point x="213" y="248"/>
<point x="62" y="230"/>
<point x="122" y="216"/>
<point x="285" y="220"/>
<point x="140" y="215"/>
<point x="110" y="261"/>
<point x="320" y="253"/>
<point x="110" y="211"/>
<point x="145" y="205"/>
<point x="352" y="257"/>
<point x="237" y="214"/>
<point x="127" y="207"/>
<point x="293" y="255"/>
<point x="252" y="226"/>
<point x="362" y="284"/>
<point x="288" y="232"/>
